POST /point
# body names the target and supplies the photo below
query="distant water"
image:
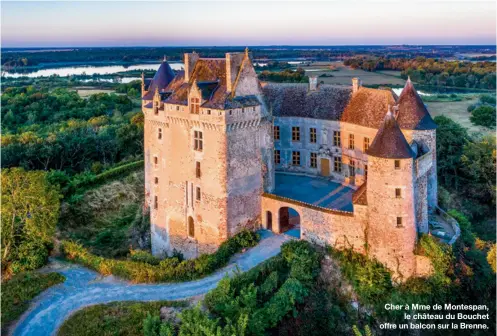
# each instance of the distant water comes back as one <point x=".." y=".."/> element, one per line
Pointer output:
<point x="398" y="91"/>
<point x="89" y="70"/>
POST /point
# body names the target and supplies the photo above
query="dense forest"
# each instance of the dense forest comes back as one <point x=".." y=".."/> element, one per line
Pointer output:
<point x="431" y="71"/>
<point x="41" y="57"/>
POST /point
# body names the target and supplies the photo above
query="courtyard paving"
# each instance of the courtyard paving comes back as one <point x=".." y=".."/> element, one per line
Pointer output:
<point x="314" y="190"/>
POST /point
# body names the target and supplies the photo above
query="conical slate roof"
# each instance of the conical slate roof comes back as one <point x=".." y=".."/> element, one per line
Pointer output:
<point x="389" y="142"/>
<point x="413" y="114"/>
<point x="162" y="78"/>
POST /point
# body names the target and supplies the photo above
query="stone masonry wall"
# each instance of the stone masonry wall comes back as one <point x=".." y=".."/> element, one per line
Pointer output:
<point x="388" y="242"/>
<point x="339" y="229"/>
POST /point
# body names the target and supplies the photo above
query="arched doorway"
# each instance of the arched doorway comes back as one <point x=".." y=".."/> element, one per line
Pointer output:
<point x="289" y="221"/>
<point x="191" y="227"/>
<point x="269" y="220"/>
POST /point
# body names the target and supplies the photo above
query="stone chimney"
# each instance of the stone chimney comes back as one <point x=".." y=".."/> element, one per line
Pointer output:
<point x="233" y="63"/>
<point x="313" y="83"/>
<point x="356" y="84"/>
<point x="190" y="60"/>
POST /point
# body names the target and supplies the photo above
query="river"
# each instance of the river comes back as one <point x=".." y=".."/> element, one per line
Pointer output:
<point x="89" y="70"/>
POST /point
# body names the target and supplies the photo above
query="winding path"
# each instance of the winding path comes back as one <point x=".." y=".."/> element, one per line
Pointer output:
<point x="84" y="287"/>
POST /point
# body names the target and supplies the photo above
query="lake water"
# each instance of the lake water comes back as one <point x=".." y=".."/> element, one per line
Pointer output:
<point x="89" y="70"/>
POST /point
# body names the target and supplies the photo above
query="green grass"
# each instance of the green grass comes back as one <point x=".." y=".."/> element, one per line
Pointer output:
<point x="117" y="318"/>
<point x="20" y="290"/>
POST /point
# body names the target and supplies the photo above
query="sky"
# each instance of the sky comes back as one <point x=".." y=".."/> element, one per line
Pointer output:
<point x="247" y="23"/>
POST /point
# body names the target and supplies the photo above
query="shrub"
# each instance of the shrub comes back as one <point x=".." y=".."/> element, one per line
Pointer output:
<point x="20" y="290"/>
<point x="29" y="256"/>
<point x="483" y="116"/>
<point x="170" y="269"/>
<point x="144" y="256"/>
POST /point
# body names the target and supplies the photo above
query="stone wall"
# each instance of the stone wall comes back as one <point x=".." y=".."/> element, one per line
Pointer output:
<point x="322" y="226"/>
<point x="389" y="242"/>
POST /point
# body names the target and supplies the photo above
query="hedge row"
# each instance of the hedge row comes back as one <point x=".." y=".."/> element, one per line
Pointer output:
<point x="169" y="269"/>
<point x="108" y="174"/>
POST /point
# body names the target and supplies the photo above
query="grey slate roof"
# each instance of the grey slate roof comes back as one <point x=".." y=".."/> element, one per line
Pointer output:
<point x="295" y="100"/>
<point x="161" y="79"/>
<point x="389" y="142"/>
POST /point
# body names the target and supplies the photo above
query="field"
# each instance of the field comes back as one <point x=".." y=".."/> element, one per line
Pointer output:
<point x="85" y="92"/>
<point x="342" y="75"/>
<point x="457" y="111"/>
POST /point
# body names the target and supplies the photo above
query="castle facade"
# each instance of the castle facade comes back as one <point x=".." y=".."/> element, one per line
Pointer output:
<point x="352" y="167"/>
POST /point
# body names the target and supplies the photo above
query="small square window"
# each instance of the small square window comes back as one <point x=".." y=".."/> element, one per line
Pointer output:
<point x="399" y="222"/>
<point x="397" y="164"/>
<point x="177" y="108"/>
<point x="209" y="112"/>
<point x="253" y="109"/>
<point x="398" y="193"/>
<point x="198" y="194"/>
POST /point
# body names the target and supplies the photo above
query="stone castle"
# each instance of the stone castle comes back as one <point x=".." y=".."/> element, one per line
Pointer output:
<point x="351" y="167"/>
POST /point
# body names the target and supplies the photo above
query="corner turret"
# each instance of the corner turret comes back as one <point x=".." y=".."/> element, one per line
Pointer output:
<point x="390" y="197"/>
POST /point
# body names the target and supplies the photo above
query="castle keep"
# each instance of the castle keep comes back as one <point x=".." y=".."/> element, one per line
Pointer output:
<point x="352" y="167"/>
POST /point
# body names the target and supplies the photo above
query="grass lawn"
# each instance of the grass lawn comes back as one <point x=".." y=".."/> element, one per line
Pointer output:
<point x="117" y="318"/>
<point x="20" y="290"/>
<point x="457" y="111"/>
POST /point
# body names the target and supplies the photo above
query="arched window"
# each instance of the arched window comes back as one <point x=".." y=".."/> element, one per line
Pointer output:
<point x="191" y="227"/>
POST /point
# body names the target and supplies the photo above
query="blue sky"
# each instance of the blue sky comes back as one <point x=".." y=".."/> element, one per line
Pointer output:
<point x="70" y="23"/>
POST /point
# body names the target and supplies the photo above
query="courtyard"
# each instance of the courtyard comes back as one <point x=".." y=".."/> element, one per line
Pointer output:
<point x="314" y="190"/>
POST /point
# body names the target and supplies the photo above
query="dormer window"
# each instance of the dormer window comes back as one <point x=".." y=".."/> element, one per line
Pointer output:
<point x="194" y="105"/>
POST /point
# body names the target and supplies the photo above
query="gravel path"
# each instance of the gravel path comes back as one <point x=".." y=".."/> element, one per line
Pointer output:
<point x="84" y="287"/>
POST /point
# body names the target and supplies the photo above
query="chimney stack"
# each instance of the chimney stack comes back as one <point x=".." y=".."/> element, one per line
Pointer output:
<point x="313" y="83"/>
<point x="356" y="84"/>
<point x="233" y="63"/>
<point x="190" y="60"/>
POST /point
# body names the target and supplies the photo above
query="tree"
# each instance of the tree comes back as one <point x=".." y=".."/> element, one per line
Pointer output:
<point x="30" y="210"/>
<point x="451" y="139"/>
<point x="479" y="166"/>
<point x="491" y="257"/>
<point x="483" y="116"/>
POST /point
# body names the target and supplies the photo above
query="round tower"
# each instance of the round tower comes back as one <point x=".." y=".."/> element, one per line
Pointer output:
<point x="390" y="192"/>
<point x="418" y="126"/>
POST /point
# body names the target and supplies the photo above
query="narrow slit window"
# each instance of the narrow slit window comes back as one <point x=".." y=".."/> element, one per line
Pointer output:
<point x="198" y="194"/>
